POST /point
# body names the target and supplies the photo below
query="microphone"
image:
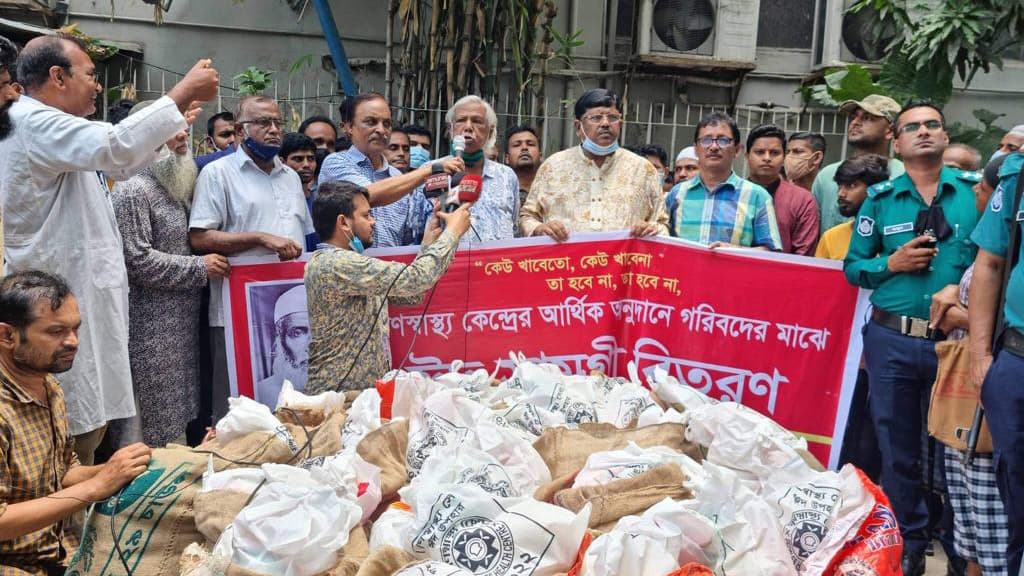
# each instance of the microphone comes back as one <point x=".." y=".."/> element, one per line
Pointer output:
<point x="459" y="145"/>
<point x="467" y="190"/>
<point x="436" y="185"/>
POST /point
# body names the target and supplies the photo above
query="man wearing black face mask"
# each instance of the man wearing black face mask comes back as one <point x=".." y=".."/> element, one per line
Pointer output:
<point x="248" y="203"/>
<point x="911" y="238"/>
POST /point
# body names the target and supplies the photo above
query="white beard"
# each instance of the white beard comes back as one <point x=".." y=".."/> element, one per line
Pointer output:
<point x="177" y="174"/>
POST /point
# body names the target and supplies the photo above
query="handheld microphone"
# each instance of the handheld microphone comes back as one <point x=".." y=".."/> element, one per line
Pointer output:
<point x="437" y="185"/>
<point x="467" y="190"/>
<point x="459" y="145"/>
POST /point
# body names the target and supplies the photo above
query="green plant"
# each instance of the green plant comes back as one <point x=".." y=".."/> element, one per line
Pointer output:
<point x="985" y="139"/>
<point x="853" y="82"/>
<point x="943" y="38"/>
<point x="98" y="51"/>
<point x="253" y="81"/>
<point x="300" y="63"/>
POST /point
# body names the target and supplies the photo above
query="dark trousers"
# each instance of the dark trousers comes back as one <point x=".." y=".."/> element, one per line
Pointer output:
<point x="1003" y="397"/>
<point x="860" y="445"/>
<point x="901" y="371"/>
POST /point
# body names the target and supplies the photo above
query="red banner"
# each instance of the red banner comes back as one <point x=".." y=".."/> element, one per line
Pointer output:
<point x="772" y="332"/>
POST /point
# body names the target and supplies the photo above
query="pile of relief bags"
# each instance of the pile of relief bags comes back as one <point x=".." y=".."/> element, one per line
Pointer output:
<point x="540" y="474"/>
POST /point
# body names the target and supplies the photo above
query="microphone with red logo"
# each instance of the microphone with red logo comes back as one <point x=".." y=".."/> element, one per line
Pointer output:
<point x="441" y="183"/>
<point x="468" y="190"/>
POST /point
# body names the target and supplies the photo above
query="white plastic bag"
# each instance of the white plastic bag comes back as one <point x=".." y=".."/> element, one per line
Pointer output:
<point x="468" y="528"/>
<point x="392" y="527"/>
<point x="632" y="461"/>
<point x="330" y="402"/>
<point x="668" y="388"/>
<point x="352" y="478"/>
<point x="245" y="416"/>
<point x="752" y="445"/>
<point x="753" y="543"/>
<point x="432" y="568"/>
<point x="663" y="538"/>
<point x="363" y="417"/>
<point x="291" y="530"/>
<point x="624" y="404"/>
<point x="233" y="479"/>
<point x="411" y="390"/>
<point x="521" y="473"/>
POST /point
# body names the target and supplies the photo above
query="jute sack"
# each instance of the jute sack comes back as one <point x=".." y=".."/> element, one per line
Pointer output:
<point x="385" y="561"/>
<point x="385" y="447"/>
<point x="353" y="554"/>
<point x="216" y="509"/>
<point x="619" y="498"/>
<point x="566" y="451"/>
<point x="153" y="520"/>
<point x="286" y="445"/>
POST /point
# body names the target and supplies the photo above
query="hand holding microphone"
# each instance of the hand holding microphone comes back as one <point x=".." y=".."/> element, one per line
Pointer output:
<point x="467" y="192"/>
<point x="458" y="221"/>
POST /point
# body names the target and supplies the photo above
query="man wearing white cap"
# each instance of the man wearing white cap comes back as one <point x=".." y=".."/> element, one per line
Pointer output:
<point x="869" y="132"/>
<point x="686" y="164"/>
<point x="289" y="350"/>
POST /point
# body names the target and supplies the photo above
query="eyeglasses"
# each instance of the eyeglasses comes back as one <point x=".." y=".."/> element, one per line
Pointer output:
<point x="721" y="141"/>
<point x="599" y="118"/>
<point x="94" y="75"/>
<point x="911" y="127"/>
<point x="265" y="122"/>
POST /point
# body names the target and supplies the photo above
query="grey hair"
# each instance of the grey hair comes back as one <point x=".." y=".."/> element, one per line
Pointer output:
<point x="492" y="118"/>
<point x="1017" y="130"/>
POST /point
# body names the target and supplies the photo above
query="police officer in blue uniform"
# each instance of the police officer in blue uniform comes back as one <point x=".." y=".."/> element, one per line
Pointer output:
<point x="911" y="238"/>
<point x="1002" y="393"/>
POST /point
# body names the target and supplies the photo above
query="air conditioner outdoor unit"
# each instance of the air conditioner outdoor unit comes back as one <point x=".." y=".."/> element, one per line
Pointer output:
<point x="841" y="38"/>
<point x="723" y="30"/>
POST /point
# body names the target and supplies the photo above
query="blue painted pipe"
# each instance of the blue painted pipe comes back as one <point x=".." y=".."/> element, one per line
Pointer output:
<point x="345" y="78"/>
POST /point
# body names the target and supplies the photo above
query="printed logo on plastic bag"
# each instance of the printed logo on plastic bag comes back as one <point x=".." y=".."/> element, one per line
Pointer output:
<point x="478" y="544"/>
<point x="436" y="431"/>
<point x="576" y="411"/>
<point x="492" y="478"/>
<point x="811" y="509"/>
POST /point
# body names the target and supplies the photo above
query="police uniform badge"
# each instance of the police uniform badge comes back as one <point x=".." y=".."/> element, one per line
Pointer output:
<point x="865" y="226"/>
<point x="997" y="199"/>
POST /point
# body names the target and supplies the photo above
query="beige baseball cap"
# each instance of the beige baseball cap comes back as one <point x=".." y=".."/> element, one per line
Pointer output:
<point x="875" y="104"/>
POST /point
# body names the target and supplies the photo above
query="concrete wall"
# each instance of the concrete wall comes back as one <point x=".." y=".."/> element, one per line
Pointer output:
<point x="269" y="34"/>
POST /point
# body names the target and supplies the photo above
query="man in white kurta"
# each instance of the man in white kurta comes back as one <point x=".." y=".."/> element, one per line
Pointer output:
<point x="58" y="215"/>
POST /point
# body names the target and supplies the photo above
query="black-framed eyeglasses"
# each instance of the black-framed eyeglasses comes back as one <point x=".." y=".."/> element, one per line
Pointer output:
<point x="911" y="127"/>
<point x="265" y="122"/>
<point x="721" y="141"/>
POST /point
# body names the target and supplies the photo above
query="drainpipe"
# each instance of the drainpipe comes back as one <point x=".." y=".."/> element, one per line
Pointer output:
<point x="330" y="29"/>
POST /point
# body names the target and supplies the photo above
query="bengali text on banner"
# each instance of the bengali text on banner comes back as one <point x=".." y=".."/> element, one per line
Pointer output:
<point x="777" y="333"/>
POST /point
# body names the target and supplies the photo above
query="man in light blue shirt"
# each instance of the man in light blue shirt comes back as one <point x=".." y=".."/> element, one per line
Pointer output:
<point x="397" y="199"/>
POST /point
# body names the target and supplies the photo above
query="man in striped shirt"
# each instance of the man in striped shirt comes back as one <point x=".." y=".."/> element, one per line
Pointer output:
<point x="717" y="207"/>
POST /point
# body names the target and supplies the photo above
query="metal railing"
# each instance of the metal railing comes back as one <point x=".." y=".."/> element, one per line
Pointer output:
<point x="669" y="124"/>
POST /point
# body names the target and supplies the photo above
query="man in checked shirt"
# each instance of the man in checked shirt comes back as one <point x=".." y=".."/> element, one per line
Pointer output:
<point x="41" y="482"/>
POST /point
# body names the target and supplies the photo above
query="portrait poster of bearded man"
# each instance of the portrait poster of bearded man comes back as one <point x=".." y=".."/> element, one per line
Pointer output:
<point x="285" y="345"/>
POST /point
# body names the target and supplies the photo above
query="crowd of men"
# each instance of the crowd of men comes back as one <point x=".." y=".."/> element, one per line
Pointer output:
<point x="113" y="231"/>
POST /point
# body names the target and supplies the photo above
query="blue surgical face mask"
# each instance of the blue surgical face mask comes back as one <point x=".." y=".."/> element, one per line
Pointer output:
<point x="265" y="152"/>
<point x="418" y="156"/>
<point x="598" y="150"/>
<point x="356" y="244"/>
